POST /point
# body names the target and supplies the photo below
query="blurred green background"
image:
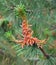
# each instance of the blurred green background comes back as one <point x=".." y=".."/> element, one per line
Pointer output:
<point x="41" y="14"/>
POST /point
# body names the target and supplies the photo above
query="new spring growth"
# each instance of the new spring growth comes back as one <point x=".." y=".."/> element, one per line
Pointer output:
<point x="20" y="10"/>
<point x="27" y="32"/>
<point x="9" y="35"/>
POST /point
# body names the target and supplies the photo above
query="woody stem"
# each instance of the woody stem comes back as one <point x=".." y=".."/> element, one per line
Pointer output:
<point x="44" y="53"/>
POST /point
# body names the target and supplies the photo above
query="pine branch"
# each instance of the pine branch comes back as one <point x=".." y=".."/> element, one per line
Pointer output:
<point x="44" y="53"/>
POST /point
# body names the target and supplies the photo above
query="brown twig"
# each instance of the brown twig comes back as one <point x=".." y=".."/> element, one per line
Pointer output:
<point x="44" y="53"/>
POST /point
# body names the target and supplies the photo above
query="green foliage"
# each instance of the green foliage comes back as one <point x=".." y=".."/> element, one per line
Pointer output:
<point x="20" y="10"/>
<point x="8" y="34"/>
<point x="50" y="61"/>
<point x="42" y="16"/>
<point x="3" y="21"/>
<point x="28" y="51"/>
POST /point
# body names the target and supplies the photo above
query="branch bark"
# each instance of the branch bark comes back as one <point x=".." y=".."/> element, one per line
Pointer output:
<point x="44" y="53"/>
